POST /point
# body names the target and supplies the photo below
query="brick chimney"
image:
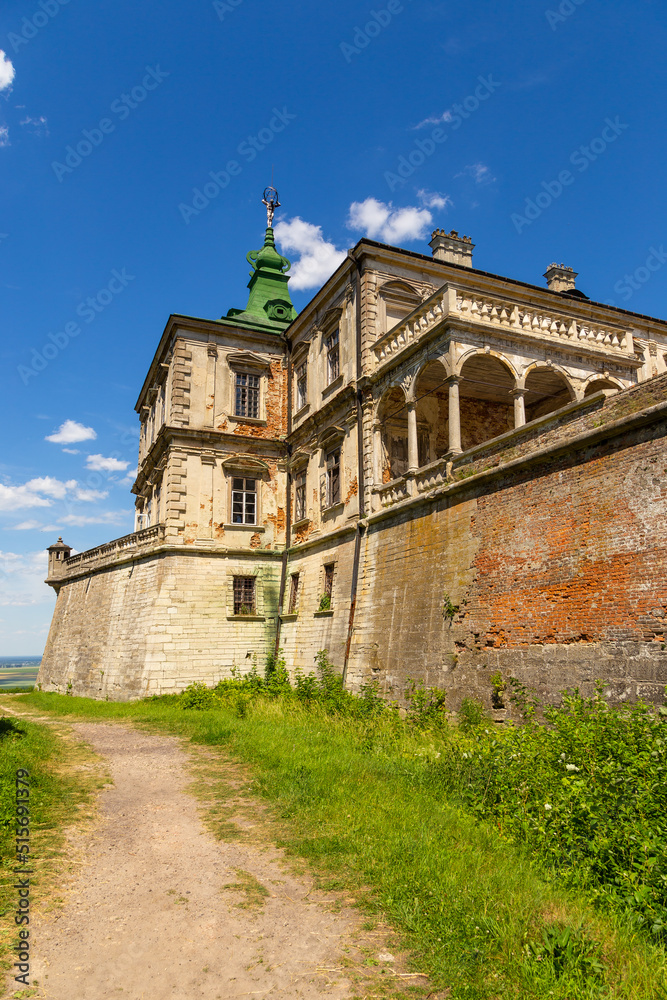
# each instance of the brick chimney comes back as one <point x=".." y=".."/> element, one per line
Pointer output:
<point x="560" y="278"/>
<point x="452" y="248"/>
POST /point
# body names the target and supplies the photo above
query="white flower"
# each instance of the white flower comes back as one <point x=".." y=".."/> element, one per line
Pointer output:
<point x="547" y="806"/>
<point x="571" y="767"/>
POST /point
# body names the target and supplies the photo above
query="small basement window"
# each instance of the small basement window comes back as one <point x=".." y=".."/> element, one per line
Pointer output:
<point x="244" y="595"/>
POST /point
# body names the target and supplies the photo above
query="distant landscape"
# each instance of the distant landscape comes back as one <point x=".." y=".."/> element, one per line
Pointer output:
<point x="18" y="671"/>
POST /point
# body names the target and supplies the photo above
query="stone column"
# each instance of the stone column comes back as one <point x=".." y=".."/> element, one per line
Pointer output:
<point x="519" y="407"/>
<point x="377" y="454"/>
<point x="413" y="442"/>
<point x="454" y="415"/>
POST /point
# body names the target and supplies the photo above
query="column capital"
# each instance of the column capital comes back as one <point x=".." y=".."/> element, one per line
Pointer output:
<point x="454" y="379"/>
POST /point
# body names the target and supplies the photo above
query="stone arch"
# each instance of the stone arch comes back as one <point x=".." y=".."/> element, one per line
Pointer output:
<point x="598" y="382"/>
<point x="392" y="435"/>
<point x="547" y="389"/>
<point x="431" y="394"/>
<point x="485" y="393"/>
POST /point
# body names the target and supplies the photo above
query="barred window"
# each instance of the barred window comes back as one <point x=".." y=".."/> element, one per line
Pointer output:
<point x="247" y="395"/>
<point x="301" y="381"/>
<point x="244" y="595"/>
<point x="293" y="594"/>
<point x="328" y="580"/>
<point x="244" y="501"/>
<point x="333" y="477"/>
<point x="300" y="496"/>
<point x="333" y="366"/>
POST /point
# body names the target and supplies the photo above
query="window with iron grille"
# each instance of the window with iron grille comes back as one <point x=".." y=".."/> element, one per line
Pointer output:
<point x="333" y="477"/>
<point x="328" y="580"/>
<point x="244" y="501"/>
<point x="247" y="395"/>
<point x="301" y="381"/>
<point x="333" y="367"/>
<point x="300" y="495"/>
<point x="293" y="594"/>
<point x="244" y="595"/>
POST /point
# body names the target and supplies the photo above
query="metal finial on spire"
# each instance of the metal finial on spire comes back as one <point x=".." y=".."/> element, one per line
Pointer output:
<point x="270" y="199"/>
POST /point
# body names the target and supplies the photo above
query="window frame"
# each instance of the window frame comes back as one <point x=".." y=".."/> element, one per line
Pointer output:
<point x="300" y="385"/>
<point x="333" y="462"/>
<point x="244" y="492"/>
<point x="241" y="587"/>
<point x="300" y="495"/>
<point x="294" y="593"/>
<point x="329" y="571"/>
<point x="248" y="405"/>
<point x="332" y="346"/>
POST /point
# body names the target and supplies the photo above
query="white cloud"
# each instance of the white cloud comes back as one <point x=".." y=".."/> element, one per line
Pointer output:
<point x="89" y="496"/>
<point x="318" y="258"/>
<point x="28" y="526"/>
<point x="4" y="136"/>
<point x="7" y="71"/>
<point x="19" y="497"/>
<point x="81" y="520"/>
<point x="22" y="579"/>
<point x="392" y="225"/>
<point x="36" y="125"/>
<point x="98" y="463"/>
<point x="51" y="487"/>
<point x="129" y="478"/>
<point x="479" y="172"/>
<point x="71" y="432"/>
<point x="72" y="451"/>
<point x="434" y="199"/>
<point x="446" y="117"/>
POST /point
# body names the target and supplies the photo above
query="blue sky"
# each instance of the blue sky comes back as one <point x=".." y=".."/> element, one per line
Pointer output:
<point x="100" y="242"/>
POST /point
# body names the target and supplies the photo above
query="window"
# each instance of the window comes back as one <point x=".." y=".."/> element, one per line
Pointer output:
<point x="244" y="595"/>
<point x="333" y="477"/>
<point x="300" y="495"/>
<point x="247" y="395"/>
<point x="333" y="366"/>
<point x="293" y="594"/>
<point x="328" y="581"/>
<point x="244" y="501"/>
<point x="301" y="382"/>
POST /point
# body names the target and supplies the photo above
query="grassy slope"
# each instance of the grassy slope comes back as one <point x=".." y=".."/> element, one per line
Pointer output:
<point x="357" y="801"/>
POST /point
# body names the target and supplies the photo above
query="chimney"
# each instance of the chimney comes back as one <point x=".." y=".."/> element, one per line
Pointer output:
<point x="452" y="248"/>
<point x="560" y="278"/>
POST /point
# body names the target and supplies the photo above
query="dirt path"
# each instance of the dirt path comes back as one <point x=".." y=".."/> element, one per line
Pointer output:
<point x="161" y="909"/>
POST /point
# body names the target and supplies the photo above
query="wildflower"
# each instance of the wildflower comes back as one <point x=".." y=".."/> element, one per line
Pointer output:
<point x="547" y="806"/>
<point x="571" y="767"/>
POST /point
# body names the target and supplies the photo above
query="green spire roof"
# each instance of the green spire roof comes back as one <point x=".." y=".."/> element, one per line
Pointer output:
<point x="269" y="302"/>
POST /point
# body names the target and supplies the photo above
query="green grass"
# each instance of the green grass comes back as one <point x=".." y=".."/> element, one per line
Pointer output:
<point x="360" y="796"/>
<point x="62" y="776"/>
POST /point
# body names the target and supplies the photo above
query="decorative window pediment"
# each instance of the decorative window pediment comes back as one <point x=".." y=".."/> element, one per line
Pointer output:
<point x="247" y="360"/>
<point x="300" y="352"/>
<point x="396" y="299"/>
<point x="245" y="463"/>
<point x="331" y="436"/>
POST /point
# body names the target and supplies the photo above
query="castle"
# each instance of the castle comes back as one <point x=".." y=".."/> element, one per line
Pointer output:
<point x="431" y="472"/>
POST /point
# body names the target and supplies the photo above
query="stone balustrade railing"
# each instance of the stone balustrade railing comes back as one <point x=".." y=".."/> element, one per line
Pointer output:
<point x="103" y="553"/>
<point x="500" y="313"/>
<point x="391" y="493"/>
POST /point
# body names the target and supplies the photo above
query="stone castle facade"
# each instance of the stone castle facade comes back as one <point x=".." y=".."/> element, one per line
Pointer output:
<point x="431" y="472"/>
